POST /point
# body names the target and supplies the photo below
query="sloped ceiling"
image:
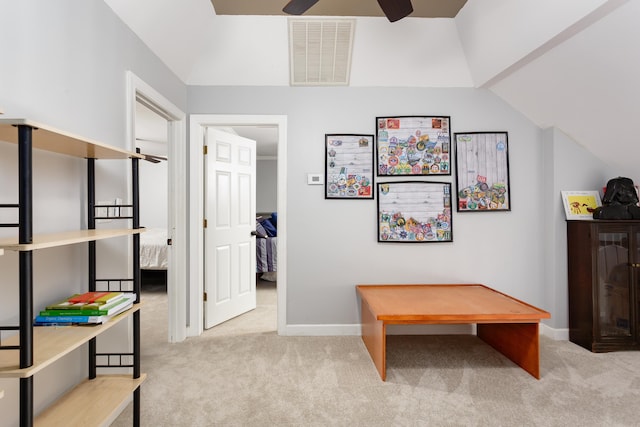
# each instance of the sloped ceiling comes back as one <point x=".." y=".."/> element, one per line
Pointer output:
<point x="421" y="8"/>
<point x="572" y="64"/>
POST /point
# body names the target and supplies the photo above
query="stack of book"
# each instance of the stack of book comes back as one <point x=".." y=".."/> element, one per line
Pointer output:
<point x="90" y="308"/>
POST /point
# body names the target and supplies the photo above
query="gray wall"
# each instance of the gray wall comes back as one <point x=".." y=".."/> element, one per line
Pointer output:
<point x="64" y="64"/>
<point x="266" y="185"/>
<point x="332" y="244"/>
<point x="567" y="166"/>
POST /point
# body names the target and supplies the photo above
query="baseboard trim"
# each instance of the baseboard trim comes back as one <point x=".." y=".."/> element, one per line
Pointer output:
<point x="554" y="334"/>
<point x="354" y="329"/>
<point x="322" y="330"/>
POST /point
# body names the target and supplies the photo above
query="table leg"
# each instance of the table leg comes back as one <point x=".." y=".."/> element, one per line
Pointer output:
<point x="375" y="339"/>
<point x="520" y="342"/>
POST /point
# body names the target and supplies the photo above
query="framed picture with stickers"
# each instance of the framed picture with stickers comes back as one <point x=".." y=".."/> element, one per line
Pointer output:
<point x="348" y="166"/>
<point x="482" y="171"/>
<point x="414" y="212"/>
<point x="413" y="145"/>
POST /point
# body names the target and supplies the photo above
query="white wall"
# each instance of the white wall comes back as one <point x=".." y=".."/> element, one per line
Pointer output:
<point x="332" y="244"/>
<point x="266" y="185"/>
<point x="153" y="195"/>
<point x="65" y="66"/>
<point x="502" y="30"/>
<point x="566" y="166"/>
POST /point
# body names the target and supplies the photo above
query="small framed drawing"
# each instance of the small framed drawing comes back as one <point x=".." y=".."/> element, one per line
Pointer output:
<point x="348" y="166"/>
<point x="580" y="204"/>
<point x="482" y="171"/>
<point x="414" y="212"/>
<point x="413" y="145"/>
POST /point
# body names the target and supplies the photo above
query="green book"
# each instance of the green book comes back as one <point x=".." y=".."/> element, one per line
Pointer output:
<point x="90" y="310"/>
<point x="86" y="301"/>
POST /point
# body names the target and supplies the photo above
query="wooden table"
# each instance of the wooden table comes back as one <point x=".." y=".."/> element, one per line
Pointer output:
<point x="507" y="324"/>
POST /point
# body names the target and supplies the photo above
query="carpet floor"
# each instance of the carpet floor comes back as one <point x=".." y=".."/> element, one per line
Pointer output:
<point x="241" y="373"/>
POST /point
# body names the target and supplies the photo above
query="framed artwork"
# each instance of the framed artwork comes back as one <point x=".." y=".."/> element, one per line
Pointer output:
<point x="348" y="166"/>
<point x="580" y="204"/>
<point x="414" y="212"/>
<point x="482" y="171"/>
<point x="413" y="145"/>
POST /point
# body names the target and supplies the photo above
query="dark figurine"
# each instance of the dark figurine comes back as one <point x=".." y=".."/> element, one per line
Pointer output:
<point x="620" y="201"/>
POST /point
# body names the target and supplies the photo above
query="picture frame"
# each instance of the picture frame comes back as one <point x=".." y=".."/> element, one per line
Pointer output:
<point x="413" y="145"/>
<point x="348" y="166"/>
<point x="580" y="204"/>
<point x="482" y="171"/>
<point x="414" y="212"/>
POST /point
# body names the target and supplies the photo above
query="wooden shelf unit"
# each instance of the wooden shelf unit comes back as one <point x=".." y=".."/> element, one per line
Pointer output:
<point x="34" y="349"/>
<point x="44" y="241"/>
<point x="52" y="343"/>
<point x="51" y="139"/>
<point x="91" y="402"/>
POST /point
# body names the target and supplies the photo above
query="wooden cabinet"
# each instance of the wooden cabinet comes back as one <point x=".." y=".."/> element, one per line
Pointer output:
<point x="30" y="350"/>
<point x="604" y="291"/>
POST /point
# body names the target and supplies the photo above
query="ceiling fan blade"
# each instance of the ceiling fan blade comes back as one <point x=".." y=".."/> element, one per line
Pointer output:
<point x="396" y="9"/>
<point x="298" y="7"/>
<point x="153" y="158"/>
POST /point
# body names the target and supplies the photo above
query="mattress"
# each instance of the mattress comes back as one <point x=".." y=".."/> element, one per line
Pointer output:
<point x="154" y="249"/>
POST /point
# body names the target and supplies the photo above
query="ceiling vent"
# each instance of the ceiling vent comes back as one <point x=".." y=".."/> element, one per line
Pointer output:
<point x="320" y="51"/>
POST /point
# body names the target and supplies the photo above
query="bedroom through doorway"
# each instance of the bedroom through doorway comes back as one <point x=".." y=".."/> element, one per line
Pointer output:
<point x="264" y="316"/>
<point x="151" y="138"/>
<point x="199" y="125"/>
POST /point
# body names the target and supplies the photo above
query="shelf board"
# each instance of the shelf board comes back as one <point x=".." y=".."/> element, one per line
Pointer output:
<point x="43" y="241"/>
<point x="92" y="403"/>
<point x="50" y="139"/>
<point x="51" y="343"/>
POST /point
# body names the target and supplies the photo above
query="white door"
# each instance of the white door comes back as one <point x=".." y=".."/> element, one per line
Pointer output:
<point x="230" y="215"/>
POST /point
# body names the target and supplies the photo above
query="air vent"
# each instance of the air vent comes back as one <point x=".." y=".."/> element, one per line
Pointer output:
<point x="320" y="51"/>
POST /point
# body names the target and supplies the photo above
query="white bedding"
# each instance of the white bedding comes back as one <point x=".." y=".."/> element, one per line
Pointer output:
<point x="154" y="249"/>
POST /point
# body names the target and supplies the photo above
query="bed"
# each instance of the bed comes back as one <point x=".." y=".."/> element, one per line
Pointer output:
<point x="154" y="260"/>
<point x="153" y="249"/>
<point x="267" y="246"/>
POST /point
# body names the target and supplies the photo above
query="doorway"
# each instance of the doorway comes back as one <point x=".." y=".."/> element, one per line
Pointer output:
<point x="151" y="140"/>
<point x="198" y="126"/>
<point x="177" y="230"/>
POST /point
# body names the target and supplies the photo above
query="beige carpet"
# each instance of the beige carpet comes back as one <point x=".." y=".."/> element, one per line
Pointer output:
<point x="243" y="374"/>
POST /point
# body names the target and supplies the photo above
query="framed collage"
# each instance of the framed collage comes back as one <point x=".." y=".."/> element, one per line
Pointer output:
<point x="413" y="145"/>
<point x="414" y="212"/>
<point x="417" y="211"/>
<point x="348" y="166"/>
<point x="482" y="171"/>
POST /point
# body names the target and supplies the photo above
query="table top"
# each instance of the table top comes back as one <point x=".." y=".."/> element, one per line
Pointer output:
<point x="442" y="303"/>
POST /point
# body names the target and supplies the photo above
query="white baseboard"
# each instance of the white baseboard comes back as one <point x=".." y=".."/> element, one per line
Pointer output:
<point x="354" y="329"/>
<point x="321" y="330"/>
<point x="554" y="334"/>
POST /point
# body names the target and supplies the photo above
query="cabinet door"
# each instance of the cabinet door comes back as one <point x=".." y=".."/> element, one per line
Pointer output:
<point x="614" y="268"/>
<point x="634" y="300"/>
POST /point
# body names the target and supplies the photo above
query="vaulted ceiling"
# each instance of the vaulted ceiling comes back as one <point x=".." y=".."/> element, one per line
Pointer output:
<point x="572" y="64"/>
<point x="421" y="8"/>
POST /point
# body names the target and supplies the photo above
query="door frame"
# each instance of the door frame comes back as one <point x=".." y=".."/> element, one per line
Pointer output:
<point x="138" y="90"/>
<point x="197" y="125"/>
